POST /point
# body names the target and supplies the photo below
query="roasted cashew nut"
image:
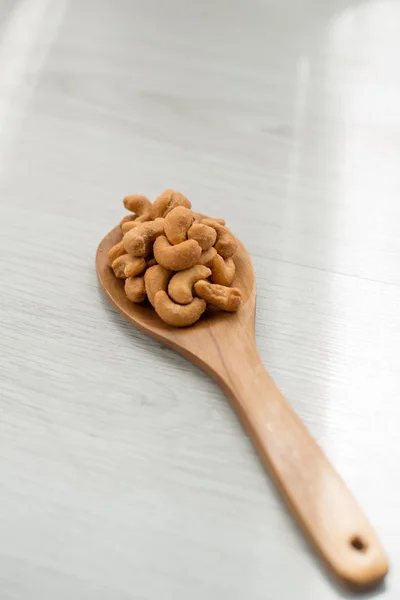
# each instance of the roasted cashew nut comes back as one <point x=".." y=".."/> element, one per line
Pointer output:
<point x="176" y="225"/>
<point x="176" y="258"/>
<point x="207" y="257"/>
<point x="140" y="206"/>
<point x="115" y="252"/>
<point x="223" y="271"/>
<point x="137" y="204"/>
<point x="156" y="279"/>
<point x="222" y="297"/>
<point x="181" y="285"/>
<point x="128" y="225"/>
<point x="135" y="266"/>
<point x="199" y="217"/>
<point x="119" y="264"/>
<point x="127" y="219"/>
<point x="134" y="289"/>
<point x="226" y="244"/>
<point x="219" y="221"/>
<point x="176" y="314"/>
<point x="168" y="253"/>
<point x="138" y="241"/>
<point x="203" y="234"/>
<point x="167" y="201"/>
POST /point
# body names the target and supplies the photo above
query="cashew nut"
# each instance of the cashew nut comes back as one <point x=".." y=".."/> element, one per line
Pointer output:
<point x="117" y="250"/>
<point x="207" y="257"/>
<point x="119" y="264"/>
<point x="176" y="314"/>
<point x="155" y="279"/>
<point x="181" y="285"/>
<point x="167" y="201"/>
<point x="127" y="219"/>
<point x="138" y="241"/>
<point x="134" y="289"/>
<point x="128" y="225"/>
<point x="223" y="271"/>
<point x="212" y="223"/>
<point x="226" y="244"/>
<point x="176" y="258"/>
<point x="199" y="218"/>
<point x="222" y="297"/>
<point x="179" y="259"/>
<point x="177" y="223"/>
<point x="137" y="204"/>
<point x="203" y="234"/>
<point x="135" y="266"/>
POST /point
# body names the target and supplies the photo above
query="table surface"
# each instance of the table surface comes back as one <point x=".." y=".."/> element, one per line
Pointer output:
<point x="125" y="474"/>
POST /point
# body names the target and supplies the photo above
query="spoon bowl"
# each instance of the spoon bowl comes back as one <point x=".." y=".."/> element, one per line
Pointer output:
<point x="223" y="345"/>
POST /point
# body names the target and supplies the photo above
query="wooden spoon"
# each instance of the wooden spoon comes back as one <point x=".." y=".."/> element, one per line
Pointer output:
<point x="223" y="345"/>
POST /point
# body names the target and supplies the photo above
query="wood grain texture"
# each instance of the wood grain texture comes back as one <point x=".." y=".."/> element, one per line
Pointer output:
<point x="115" y="482"/>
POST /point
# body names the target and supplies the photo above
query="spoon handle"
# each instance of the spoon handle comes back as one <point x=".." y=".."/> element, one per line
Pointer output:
<point x="315" y="493"/>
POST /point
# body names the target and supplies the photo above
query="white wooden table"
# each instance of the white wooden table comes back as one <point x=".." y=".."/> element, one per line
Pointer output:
<point x="124" y="473"/>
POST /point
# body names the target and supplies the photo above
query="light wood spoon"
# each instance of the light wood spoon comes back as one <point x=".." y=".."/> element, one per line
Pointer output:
<point x="224" y="346"/>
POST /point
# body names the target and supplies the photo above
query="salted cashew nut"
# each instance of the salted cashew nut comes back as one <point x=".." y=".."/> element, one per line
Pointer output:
<point x="128" y="225"/>
<point x="176" y="258"/>
<point x="167" y="201"/>
<point x="115" y="252"/>
<point x="203" y="234"/>
<point x="176" y="224"/>
<point x="179" y="259"/>
<point x="226" y="244"/>
<point x="137" y="204"/>
<point x="222" y="270"/>
<point x="222" y="297"/>
<point x="135" y="266"/>
<point x="178" y="315"/>
<point x="207" y="257"/>
<point x="199" y="218"/>
<point x="127" y="219"/>
<point x="181" y="285"/>
<point x="138" y="241"/>
<point x="156" y="279"/>
<point x="134" y="289"/>
<point x="141" y="207"/>
<point x="119" y="264"/>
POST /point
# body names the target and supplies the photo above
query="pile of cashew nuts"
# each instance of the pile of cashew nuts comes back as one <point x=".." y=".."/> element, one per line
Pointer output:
<point x="180" y="260"/>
